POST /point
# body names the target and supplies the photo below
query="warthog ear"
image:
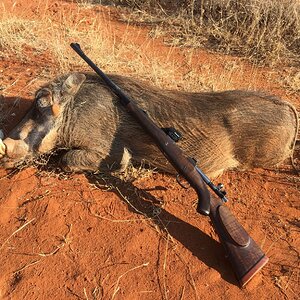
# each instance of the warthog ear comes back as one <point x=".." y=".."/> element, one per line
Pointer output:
<point x="73" y="83"/>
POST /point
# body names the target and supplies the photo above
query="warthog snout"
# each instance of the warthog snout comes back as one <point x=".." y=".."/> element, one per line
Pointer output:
<point x="15" y="149"/>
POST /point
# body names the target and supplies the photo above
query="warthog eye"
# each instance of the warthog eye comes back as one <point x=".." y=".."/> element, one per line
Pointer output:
<point x="42" y="102"/>
<point x="43" y="98"/>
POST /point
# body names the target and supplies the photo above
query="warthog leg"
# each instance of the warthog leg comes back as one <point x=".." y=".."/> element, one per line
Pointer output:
<point x="80" y="160"/>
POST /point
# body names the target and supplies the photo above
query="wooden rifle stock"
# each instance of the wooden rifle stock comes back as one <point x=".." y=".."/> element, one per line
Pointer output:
<point x="244" y="254"/>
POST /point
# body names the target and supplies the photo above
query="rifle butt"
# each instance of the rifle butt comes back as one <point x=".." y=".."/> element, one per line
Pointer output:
<point x="245" y="256"/>
<point x="246" y="261"/>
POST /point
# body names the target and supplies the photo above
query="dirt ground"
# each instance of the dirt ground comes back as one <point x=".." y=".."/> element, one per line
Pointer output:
<point x="95" y="237"/>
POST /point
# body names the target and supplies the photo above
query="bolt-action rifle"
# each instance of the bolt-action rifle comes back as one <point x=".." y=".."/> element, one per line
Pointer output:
<point x="244" y="254"/>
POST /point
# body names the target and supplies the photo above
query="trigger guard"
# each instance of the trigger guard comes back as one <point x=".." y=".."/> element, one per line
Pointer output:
<point x="180" y="183"/>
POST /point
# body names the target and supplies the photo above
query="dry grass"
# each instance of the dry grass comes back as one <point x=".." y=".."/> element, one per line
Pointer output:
<point x="49" y="36"/>
<point x="264" y="31"/>
<point x="291" y="80"/>
<point x="16" y="33"/>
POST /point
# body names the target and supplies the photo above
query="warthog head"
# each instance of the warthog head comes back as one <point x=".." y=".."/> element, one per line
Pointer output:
<point x="37" y="132"/>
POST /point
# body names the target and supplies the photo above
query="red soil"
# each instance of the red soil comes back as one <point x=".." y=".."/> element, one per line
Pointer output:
<point x="76" y="237"/>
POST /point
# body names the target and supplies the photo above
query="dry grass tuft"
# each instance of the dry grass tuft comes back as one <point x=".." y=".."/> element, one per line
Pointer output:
<point x="134" y="172"/>
<point x="15" y="33"/>
<point x="291" y="80"/>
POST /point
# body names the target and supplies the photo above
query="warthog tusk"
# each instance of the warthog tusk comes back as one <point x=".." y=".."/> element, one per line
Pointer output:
<point x="2" y="145"/>
<point x="2" y="148"/>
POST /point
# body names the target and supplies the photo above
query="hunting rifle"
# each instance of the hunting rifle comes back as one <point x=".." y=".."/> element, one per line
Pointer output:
<point x="244" y="254"/>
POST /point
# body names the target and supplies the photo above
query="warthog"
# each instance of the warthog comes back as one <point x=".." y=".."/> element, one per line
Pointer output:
<point x="224" y="130"/>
